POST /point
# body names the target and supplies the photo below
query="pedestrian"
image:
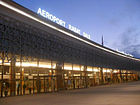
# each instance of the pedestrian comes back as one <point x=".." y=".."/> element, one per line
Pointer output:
<point x="30" y="87"/>
<point x="6" y="91"/>
<point x="18" y="88"/>
<point x="24" y="87"/>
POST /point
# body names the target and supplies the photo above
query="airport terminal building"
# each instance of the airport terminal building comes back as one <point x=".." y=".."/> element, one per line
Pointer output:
<point x="40" y="56"/>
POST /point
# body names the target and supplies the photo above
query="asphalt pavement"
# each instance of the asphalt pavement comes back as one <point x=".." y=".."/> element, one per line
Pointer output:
<point x="118" y="94"/>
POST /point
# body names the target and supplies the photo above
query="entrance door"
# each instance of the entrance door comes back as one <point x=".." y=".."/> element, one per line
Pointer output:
<point x="50" y="84"/>
<point x="44" y="84"/>
<point x="76" y="82"/>
<point x="38" y="84"/>
<point x="47" y="84"/>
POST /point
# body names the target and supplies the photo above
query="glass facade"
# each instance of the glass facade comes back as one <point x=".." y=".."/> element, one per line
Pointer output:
<point x="29" y="76"/>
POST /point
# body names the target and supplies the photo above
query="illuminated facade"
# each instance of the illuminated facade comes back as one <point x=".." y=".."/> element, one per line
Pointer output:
<point x="37" y="55"/>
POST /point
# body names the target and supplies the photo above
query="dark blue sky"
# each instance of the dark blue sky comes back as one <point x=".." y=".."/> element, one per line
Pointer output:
<point x="117" y="20"/>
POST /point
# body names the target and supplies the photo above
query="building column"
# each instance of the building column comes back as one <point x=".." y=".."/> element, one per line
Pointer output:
<point x="111" y="76"/>
<point x="132" y="76"/>
<point x="136" y="76"/>
<point x="73" y="78"/>
<point x="126" y="76"/>
<point x="12" y="78"/>
<point x="101" y="76"/>
<point x="21" y="77"/>
<point x="59" y="76"/>
<point x="2" y="67"/>
<point x="120" y="76"/>
<point x="86" y="77"/>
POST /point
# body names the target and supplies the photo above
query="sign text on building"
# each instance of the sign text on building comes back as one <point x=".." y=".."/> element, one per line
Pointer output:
<point x="61" y="22"/>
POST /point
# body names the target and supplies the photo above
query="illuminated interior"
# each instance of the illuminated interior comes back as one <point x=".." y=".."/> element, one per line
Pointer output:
<point x="67" y="66"/>
<point x="74" y="75"/>
<point x="76" y="67"/>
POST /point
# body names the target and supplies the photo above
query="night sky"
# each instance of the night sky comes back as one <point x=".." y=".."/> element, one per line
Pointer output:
<point x="117" y="20"/>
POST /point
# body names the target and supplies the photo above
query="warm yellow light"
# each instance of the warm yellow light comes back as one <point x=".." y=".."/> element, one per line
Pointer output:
<point x="33" y="64"/>
<point x="90" y="74"/>
<point x="22" y="69"/>
<point x="53" y="66"/>
<point x="26" y="64"/>
<point x="89" y="68"/>
<point x="34" y="74"/>
<point x="124" y="71"/>
<point x="76" y="68"/>
<point x="108" y="71"/>
<point x="44" y="66"/>
<point x="95" y="69"/>
<point x="82" y="68"/>
<point x="104" y="70"/>
<point x="7" y="64"/>
<point x="67" y="68"/>
<point x="115" y="71"/>
<point x="76" y="75"/>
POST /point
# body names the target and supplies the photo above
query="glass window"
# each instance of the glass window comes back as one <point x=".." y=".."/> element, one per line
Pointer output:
<point x="89" y="68"/>
<point x="76" y="67"/>
<point x="67" y="66"/>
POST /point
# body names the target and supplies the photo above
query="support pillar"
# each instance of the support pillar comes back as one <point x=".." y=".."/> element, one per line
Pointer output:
<point x="2" y="67"/>
<point x="111" y="76"/>
<point x="59" y="75"/>
<point x="136" y="76"/>
<point x="101" y="76"/>
<point x="126" y="76"/>
<point x="12" y="78"/>
<point x="21" y="77"/>
<point x="120" y="76"/>
<point x="86" y="77"/>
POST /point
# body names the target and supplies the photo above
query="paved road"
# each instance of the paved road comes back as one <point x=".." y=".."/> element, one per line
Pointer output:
<point x="121" y="94"/>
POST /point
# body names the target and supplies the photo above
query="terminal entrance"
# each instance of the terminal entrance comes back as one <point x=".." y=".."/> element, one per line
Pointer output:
<point x="44" y="84"/>
<point x="79" y="82"/>
<point x="26" y="81"/>
<point x="75" y="82"/>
